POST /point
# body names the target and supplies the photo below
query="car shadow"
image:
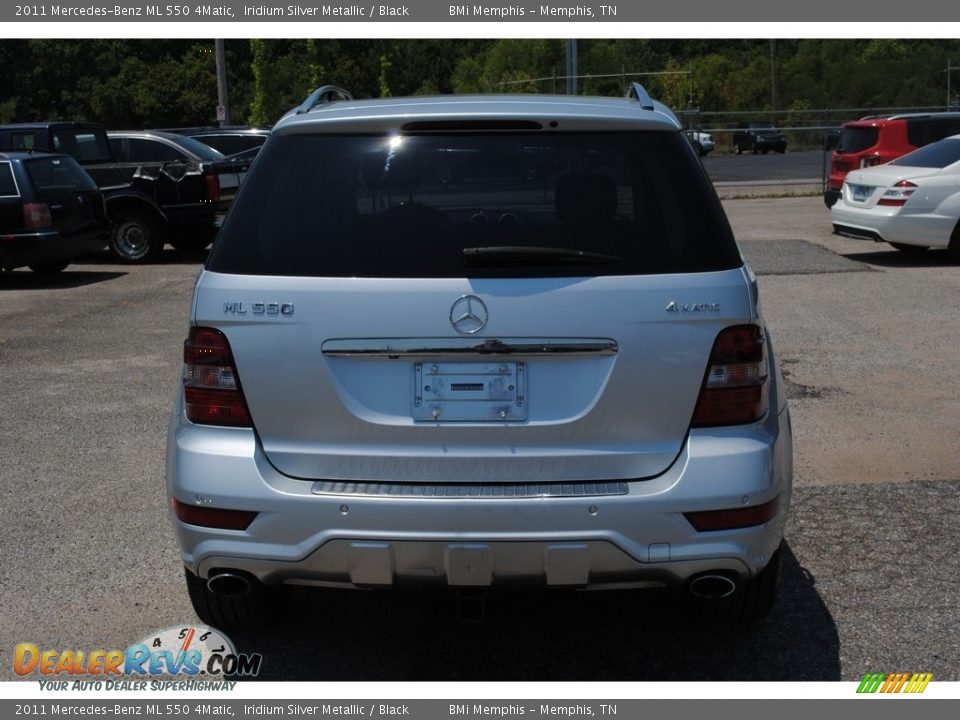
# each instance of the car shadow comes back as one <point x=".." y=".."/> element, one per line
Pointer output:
<point x="895" y="259"/>
<point x="542" y="636"/>
<point x="69" y="278"/>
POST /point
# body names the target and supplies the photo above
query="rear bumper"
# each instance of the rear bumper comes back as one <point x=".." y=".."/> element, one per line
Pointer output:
<point x="47" y="247"/>
<point x="305" y="533"/>
<point x="893" y="225"/>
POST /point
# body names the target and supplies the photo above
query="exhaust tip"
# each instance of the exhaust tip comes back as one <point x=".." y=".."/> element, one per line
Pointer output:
<point x="712" y="587"/>
<point x="228" y="583"/>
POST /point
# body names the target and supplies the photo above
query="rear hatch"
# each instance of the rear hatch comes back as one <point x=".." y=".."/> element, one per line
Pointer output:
<point x="76" y="205"/>
<point x="474" y="307"/>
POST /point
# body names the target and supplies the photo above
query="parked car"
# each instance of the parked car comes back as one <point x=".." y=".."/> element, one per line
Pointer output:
<point x="559" y="380"/>
<point x="759" y="137"/>
<point x="157" y="189"/>
<point x="50" y="211"/>
<point x="702" y="142"/>
<point x="193" y="185"/>
<point x="228" y="140"/>
<point x="876" y="140"/>
<point x="912" y="202"/>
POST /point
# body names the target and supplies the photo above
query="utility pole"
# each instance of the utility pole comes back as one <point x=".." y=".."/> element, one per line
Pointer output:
<point x="774" y="80"/>
<point x="573" y="66"/>
<point x="949" y="68"/>
<point x="223" y="107"/>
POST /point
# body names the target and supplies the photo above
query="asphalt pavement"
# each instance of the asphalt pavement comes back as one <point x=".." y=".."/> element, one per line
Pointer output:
<point x="871" y="579"/>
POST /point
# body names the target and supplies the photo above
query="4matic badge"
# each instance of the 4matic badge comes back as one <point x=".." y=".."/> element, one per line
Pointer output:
<point x="674" y="306"/>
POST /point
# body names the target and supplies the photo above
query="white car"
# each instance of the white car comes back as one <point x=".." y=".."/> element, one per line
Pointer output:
<point x="702" y="142"/>
<point x="913" y="202"/>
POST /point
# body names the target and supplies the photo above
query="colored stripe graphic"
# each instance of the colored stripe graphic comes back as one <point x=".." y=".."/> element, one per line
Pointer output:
<point x="871" y="683"/>
<point x="918" y="683"/>
<point x="895" y="682"/>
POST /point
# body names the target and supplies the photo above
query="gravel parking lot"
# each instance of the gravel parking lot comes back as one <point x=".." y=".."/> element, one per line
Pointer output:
<point x="867" y="340"/>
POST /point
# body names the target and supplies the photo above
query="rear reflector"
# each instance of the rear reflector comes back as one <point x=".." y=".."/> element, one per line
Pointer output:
<point x="711" y="520"/>
<point x="212" y="517"/>
<point x="734" y="391"/>
<point x="211" y="389"/>
<point x="37" y="216"/>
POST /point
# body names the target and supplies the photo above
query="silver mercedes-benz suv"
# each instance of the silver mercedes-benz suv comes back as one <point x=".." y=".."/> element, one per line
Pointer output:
<point x="478" y="342"/>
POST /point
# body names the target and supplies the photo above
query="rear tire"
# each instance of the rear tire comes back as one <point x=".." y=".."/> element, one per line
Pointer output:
<point x="50" y="268"/>
<point x="909" y="249"/>
<point x="136" y="238"/>
<point x="953" y="249"/>
<point x="230" y="612"/>
<point x="748" y="605"/>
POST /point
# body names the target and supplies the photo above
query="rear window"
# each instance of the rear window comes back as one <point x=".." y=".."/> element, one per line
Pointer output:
<point x="7" y="185"/>
<point x="53" y="175"/>
<point x="409" y="206"/>
<point x="88" y="145"/>
<point x="202" y="151"/>
<point x="938" y="155"/>
<point x="923" y="131"/>
<point x="232" y="144"/>
<point x="857" y="139"/>
<point x="23" y="140"/>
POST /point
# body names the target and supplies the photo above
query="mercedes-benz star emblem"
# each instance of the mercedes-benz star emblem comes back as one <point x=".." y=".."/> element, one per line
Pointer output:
<point x="468" y="315"/>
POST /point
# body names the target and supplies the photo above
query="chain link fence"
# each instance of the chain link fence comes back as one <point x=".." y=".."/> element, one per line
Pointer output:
<point x="801" y="170"/>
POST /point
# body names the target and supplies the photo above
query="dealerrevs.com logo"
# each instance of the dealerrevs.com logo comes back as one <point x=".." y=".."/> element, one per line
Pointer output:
<point x="888" y="683"/>
<point x="192" y="650"/>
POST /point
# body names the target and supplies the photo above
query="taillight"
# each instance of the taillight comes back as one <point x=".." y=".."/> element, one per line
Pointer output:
<point x="37" y="215"/>
<point x="735" y="389"/>
<point x="898" y="194"/>
<point x="213" y="188"/>
<point x="869" y="161"/>
<point x="211" y="389"/>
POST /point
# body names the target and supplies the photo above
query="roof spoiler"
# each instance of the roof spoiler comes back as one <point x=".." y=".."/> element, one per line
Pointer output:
<point x="639" y="92"/>
<point x="325" y="93"/>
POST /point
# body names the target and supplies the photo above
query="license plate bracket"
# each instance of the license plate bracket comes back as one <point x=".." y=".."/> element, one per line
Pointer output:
<point x="470" y="392"/>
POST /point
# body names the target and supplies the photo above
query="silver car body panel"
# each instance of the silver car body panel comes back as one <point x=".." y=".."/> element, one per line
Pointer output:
<point x="618" y="416"/>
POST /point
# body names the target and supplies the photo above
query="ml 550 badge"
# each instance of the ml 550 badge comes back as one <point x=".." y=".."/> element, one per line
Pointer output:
<point x="234" y="307"/>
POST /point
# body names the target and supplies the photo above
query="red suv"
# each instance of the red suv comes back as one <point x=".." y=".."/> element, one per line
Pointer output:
<point x="879" y="139"/>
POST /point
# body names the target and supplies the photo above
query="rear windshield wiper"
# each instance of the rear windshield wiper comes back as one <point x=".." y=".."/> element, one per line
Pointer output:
<point x="534" y="256"/>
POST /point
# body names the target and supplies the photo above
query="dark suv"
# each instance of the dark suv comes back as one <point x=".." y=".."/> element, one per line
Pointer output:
<point x="50" y="211"/>
<point x="759" y="137"/>
<point x="193" y="185"/>
<point x="158" y="187"/>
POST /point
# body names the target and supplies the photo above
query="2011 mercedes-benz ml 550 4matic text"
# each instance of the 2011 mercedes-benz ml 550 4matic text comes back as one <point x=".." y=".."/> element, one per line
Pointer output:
<point x="478" y="342"/>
